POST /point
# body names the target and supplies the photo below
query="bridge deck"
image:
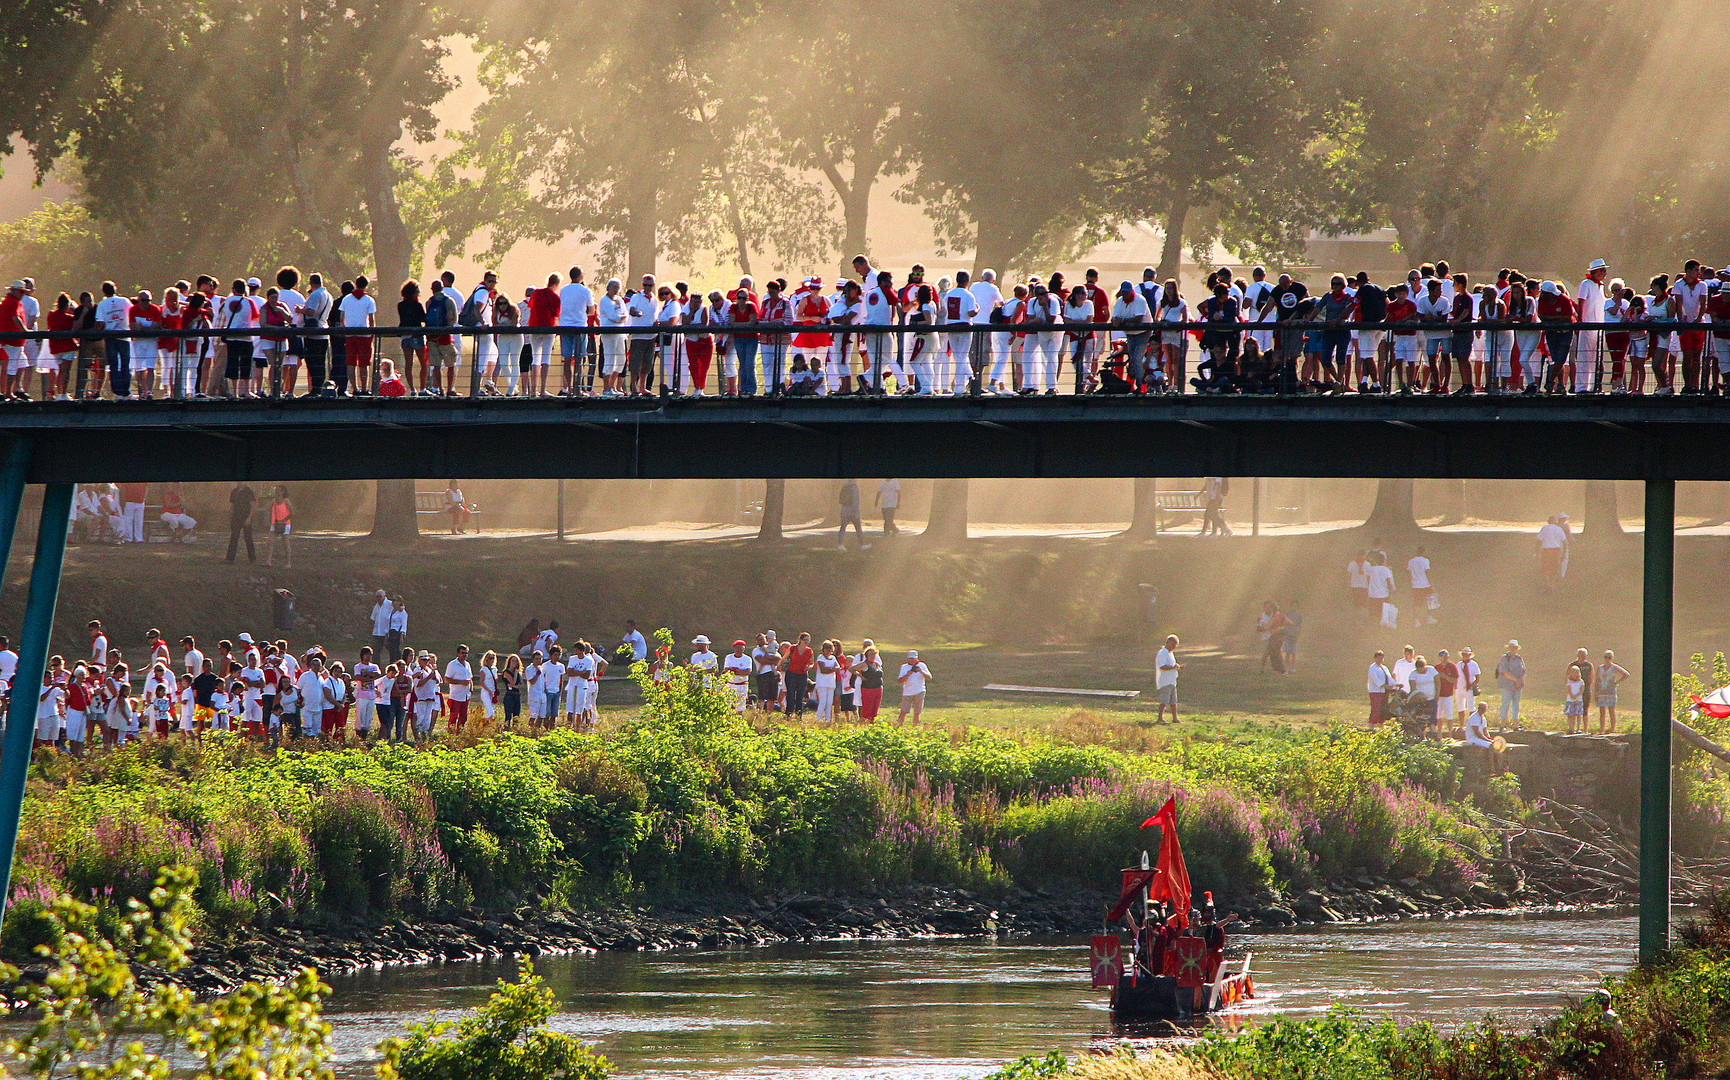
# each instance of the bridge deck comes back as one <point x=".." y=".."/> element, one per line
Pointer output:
<point x="1592" y="437"/>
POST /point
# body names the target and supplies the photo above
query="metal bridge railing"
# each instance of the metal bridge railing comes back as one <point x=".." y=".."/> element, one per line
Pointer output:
<point x="814" y="359"/>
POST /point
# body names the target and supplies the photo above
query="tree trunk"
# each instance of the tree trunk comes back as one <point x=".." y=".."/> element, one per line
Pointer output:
<point x="1392" y="514"/>
<point x="1601" y="517"/>
<point x="855" y="214"/>
<point x="1144" y="518"/>
<point x="640" y="244"/>
<point x="948" y="519"/>
<point x="1453" y="502"/>
<point x="318" y="229"/>
<point x="392" y="249"/>
<point x="774" y="509"/>
<point x="855" y="199"/>
<point x="992" y="247"/>
<point x="393" y="514"/>
<point x="1171" y="254"/>
<point x="735" y="217"/>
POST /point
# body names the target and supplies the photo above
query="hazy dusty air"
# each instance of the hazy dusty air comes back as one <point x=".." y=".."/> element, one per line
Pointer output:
<point x="1536" y="136"/>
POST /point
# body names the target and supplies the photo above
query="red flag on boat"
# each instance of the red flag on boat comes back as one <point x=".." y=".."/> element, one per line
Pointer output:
<point x="1171" y="876"/>
<point x="1133" y="882"/>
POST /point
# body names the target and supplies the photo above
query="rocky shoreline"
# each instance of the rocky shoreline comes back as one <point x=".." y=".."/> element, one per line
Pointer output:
<point x="339" y="948"/>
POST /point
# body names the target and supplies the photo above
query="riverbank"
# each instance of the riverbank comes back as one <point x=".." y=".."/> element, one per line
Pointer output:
<point x="736" y="922"/>
<point x="1664" y="1020"/>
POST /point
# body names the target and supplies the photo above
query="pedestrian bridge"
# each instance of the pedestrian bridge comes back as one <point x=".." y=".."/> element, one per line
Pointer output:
<point x="1586" y="437"/>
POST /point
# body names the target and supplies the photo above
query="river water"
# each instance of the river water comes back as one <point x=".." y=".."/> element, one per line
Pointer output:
<point x="940" y="1010"/>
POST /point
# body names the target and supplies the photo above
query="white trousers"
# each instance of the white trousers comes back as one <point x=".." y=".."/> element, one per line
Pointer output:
<point x="671" y="377"/>
<point x="924" y="359"/>
<point x="881" y="349"/>
<point x="132" y="521"/>
<point x="612" y="354"/>
<point x="1583" y="354"/>
<point x="997" y="347"/>
<point x="825" y="701"/>
<point x="960" y="361"/>
<point x="1039" y="358"/>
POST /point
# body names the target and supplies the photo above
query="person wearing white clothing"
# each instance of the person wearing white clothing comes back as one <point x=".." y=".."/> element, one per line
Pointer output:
<point x="1423" y="593"/>
<point x="826" y="664"/>
<point x="960" y="305"/>
<point x="577" y="308"/>
<point x="1379" y="681"/>
<point x="613" y="312"/>
<point x="1380" y="586"/>
<point x="736" y="667"/>
<point x="459" y="680"/>
<point x="480" y="305"/>
<point x="1589" y="307"/>
<point x="381" y="613"/>
<point x="1403" y="668"/>
<point x="1132" y="322"/>
<point x="913" y="677"/>
<point x="1042" y="349"/>
<point x="1166" y="668"/>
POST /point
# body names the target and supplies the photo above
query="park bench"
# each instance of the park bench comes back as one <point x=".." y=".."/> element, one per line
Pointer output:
<point x="1168" y="503"/>
<point x="433" y="502"/>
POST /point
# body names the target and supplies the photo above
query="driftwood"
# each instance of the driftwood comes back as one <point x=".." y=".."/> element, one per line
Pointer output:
<point x="1698" y="741"/>
<point x="1576" y="857"/>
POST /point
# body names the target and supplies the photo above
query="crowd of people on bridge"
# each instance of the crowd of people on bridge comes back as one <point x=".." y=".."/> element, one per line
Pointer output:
<point x="275" y="694"/>
<point x="1434" y="332"/>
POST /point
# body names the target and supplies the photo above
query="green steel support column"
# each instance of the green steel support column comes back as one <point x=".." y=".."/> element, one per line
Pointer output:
<point x="32" y="661"/>
<point x="1655" y="697"/>
<point x="14" y="463"/>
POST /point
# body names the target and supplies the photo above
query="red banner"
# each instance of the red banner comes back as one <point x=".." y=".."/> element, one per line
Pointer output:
<point x="1107" y="953"/>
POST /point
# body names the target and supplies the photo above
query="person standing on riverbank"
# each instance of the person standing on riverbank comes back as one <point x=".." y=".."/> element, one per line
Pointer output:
<point x="1423" y="593"/>
<point x="381" y="611"/>
<point x="1165" y="679"/>
<point x="850" y="516"/>
<point x="1553" y="549"/>
<point x="1606" y="678"/>
<point x="1511" y="681"/>
<point x="1447" y="686"/>
<point x="913" y="677"/>
<point x="1380" y="679"/>
<point x="888" y="499"/>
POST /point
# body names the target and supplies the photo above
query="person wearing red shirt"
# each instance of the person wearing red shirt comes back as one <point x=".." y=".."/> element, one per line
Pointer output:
<point x="740" y="369"/>
<point x="798" y="670"/>
<point x="132" y="498"/>
<point x="64" y="350"/>
<point x="775" y="308"/>
<point x="1554" y="306"/>
<point x="543" y="311"/>
<point x="390" y="384"/>
<point x="811" y="306"/>
<point x="1718" y="311"/>
<point x="907" y="300"/>
<point x="11" y="349"/>
<point x="1405" y="342"/>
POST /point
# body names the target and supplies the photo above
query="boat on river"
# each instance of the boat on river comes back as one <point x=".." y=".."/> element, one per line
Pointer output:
<point x="1168" y="964"/>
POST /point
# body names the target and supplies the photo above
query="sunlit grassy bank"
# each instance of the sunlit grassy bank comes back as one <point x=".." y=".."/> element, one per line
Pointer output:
<point x="690" y="796"/>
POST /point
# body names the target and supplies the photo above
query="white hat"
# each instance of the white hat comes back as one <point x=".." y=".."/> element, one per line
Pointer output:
<point x="912" y="654"/>
<point x="1597" y="264"/>
<point x="1549" y="287"/>
<point x="1512" y="642"/>
<point x="246" y="638"/>
<point x="16" y="285"/>
<point x="253" y="283"/>
<point x="700" y="639"/>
